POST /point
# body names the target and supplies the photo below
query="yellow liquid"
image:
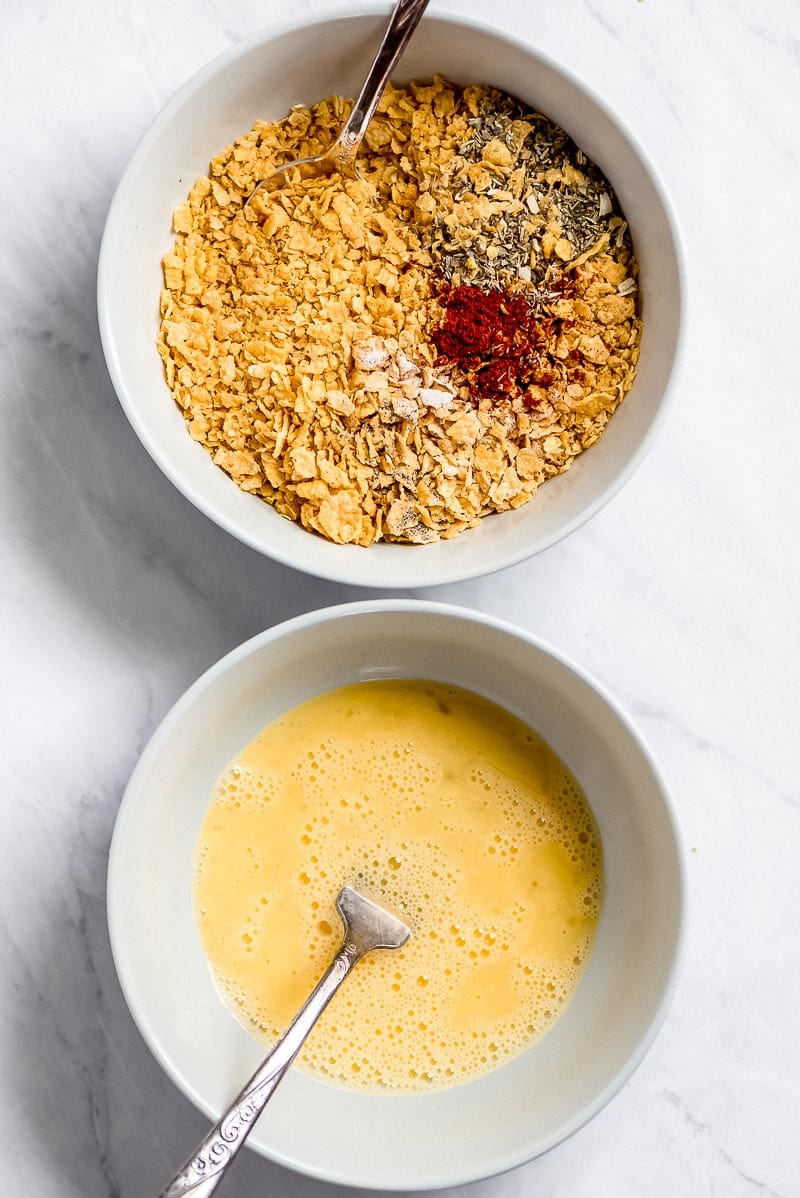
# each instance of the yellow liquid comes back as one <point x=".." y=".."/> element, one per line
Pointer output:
<point x="443" y="805"/>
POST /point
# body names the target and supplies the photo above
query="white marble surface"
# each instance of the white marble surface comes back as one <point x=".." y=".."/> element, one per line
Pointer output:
<point x="681" y="596"/>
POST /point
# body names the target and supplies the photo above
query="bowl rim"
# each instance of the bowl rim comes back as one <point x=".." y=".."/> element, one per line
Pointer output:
<point x="449" y="1174"/>
<point x="390" y="577"/>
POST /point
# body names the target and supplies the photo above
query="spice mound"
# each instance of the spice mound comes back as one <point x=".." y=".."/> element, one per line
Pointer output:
<point x="395" y="357"/>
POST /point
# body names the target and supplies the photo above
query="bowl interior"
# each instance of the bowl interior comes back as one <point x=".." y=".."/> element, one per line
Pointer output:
<point x="472" y="1130"/>
<point x="262" y="78"/>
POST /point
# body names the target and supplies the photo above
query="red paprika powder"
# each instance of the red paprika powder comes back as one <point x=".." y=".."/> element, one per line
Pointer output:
<point x="494" y="337"/>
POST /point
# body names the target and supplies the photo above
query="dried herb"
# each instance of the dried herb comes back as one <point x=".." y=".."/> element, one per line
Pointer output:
<point x="549" y="190"/>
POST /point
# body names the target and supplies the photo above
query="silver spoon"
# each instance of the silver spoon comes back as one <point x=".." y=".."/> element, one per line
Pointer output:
<point x="340" y="158"/>
<point x="366" y="926"/>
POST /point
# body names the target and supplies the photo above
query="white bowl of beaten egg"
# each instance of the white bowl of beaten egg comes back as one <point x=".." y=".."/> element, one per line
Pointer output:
<point x="622" y="862"/>
<point x="261" y="79"/>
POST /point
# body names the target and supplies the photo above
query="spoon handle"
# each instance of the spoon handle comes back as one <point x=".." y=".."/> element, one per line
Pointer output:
<point x="406" y="15"/>
<point x="203" y="1172"/>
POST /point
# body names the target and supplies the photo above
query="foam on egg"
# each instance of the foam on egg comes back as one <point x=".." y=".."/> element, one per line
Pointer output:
<point x="436" y="801"/>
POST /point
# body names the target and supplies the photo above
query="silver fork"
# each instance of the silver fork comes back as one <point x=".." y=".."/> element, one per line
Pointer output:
<point x="366" y="927"/>
<point x="340" y="158"/>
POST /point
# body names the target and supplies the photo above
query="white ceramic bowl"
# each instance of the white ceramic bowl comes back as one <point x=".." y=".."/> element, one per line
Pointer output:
<point x="314" y="57"/>
<point x="469" y="1131"/>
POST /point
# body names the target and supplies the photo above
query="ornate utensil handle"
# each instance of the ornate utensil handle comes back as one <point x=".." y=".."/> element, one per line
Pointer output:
<point x="405" y="17"/>
<point x="203" y="1172"/>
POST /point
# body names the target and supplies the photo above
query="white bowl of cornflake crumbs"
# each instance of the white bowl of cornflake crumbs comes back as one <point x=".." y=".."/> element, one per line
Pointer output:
<point x="417" y="378"/>
<point x="436" y="1134"/>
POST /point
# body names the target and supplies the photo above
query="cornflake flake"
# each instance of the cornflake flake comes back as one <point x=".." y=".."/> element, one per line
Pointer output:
<point x="297" y="331"/>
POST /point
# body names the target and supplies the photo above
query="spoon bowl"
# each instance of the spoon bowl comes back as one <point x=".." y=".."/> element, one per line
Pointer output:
<point x="457" y="1134"/>
<point x="326" y="55"/>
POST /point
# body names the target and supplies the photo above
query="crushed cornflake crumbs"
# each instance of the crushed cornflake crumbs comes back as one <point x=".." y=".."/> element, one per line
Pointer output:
<point x="395" y="357"/>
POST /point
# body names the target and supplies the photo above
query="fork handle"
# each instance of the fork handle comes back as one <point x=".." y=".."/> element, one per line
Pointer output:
<point x="204" y="1170"/>
<point x="405" y="17"/>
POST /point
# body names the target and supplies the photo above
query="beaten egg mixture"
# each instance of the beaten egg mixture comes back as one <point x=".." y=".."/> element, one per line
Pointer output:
<point x="447" y="807"/>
